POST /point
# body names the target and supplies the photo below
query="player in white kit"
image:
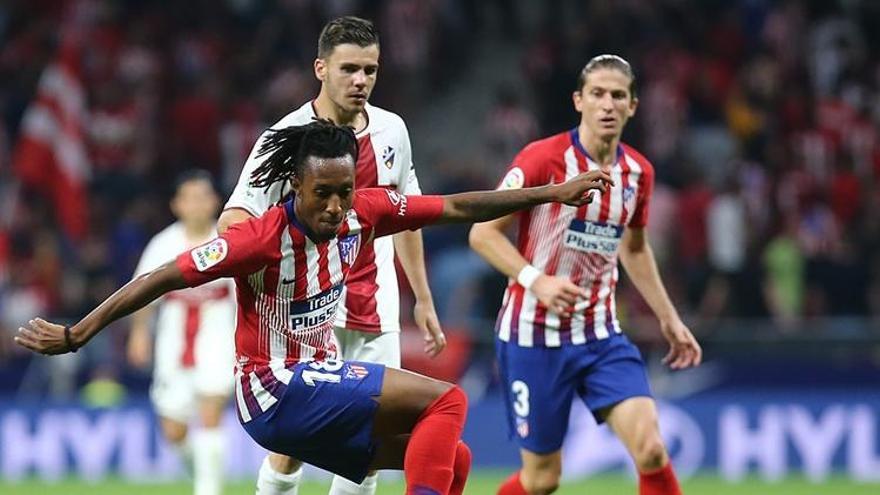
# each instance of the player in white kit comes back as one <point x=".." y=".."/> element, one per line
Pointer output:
<point x="368" y="320"/>
<point x="194" y="348"/>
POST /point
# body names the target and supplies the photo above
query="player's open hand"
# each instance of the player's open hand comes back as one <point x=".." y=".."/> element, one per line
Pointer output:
<point x="426" y="319"/>
<point x="557" y="293"/>
<point x="578" y="190"/>
<point x="43" y="337"/>
<point x="684" y="351"/>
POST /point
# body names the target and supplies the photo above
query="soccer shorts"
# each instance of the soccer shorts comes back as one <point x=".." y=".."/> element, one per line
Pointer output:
<point x="325" y="417"/>
<point x="176" y="388"/>
<point x="539" y="384"/>
<point x="381" y="348"/>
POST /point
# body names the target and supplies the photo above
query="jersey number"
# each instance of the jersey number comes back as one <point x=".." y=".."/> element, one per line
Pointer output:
<point x="520" y="398"/>
<point x="316" y="373"/>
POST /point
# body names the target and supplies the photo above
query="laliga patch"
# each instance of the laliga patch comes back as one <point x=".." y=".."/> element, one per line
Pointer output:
<point x="514" y="179"/>
<point x="209" y="254"/>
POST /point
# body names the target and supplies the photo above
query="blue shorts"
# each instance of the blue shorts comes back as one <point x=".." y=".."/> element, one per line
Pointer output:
<point x="539" y="384"/>
<point x="325" y="417"/>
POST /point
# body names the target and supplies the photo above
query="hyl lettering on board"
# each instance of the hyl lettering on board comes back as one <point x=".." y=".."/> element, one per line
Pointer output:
<point x="316" y="312"/>
<point x="593" y="237"/>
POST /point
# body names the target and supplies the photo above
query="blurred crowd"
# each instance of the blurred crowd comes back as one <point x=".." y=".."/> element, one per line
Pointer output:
<point x="761" y="119"/>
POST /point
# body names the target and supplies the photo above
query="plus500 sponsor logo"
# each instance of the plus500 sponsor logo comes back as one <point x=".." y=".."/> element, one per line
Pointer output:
<point x="593" y="237"/>
<point x="316" y="311"/>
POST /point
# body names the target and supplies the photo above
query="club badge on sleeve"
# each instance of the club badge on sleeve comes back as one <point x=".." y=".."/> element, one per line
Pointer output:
<point x="208" y="255"/>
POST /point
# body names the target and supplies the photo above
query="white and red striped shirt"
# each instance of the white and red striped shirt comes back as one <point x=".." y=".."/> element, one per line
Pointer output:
<point x="184" y="314"/>
<point x="384" y="160"/>
<point x="289" y="287"/>
<point x="580" y="244"/>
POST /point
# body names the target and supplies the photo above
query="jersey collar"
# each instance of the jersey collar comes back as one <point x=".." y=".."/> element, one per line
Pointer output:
<point x="576" y="142"/>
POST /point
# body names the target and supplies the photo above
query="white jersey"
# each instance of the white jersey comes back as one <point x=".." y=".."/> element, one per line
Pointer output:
<point x="192" y="325"/>
<point x="384" y="160"/>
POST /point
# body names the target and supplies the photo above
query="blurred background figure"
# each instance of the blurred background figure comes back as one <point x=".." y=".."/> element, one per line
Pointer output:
<point x="761" y="119"/>
<point x="193" y="355"/>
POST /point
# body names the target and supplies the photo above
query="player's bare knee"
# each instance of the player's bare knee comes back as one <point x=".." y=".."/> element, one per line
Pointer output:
<point x="651" y="454"/>
<point x="283" y="464"/>
<point x="542" y="480"/>
<point x="174" y="433"/>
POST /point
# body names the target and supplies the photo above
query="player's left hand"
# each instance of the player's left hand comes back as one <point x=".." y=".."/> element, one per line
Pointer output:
<point x="426" y="319"/>
<point x="43" y="337"/>
<point x="578" y="190"/>
<point x="684" y="351"/>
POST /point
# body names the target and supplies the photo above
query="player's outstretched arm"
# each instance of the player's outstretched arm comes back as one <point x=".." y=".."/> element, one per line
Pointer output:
<point x="488" y="205"/>
<point x="50" y="338"/>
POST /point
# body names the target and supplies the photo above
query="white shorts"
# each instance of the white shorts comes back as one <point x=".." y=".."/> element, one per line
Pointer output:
<point x="379" y="348"/>
<point x="176" y="389"/>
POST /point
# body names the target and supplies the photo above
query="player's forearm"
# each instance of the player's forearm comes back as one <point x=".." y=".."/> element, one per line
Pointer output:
<point x="489" y="241"/>
<point x="410" y="251"/>
<point x="482" y="206"/>
<point x="641" y="267"/>
<point x="130" y="298"/>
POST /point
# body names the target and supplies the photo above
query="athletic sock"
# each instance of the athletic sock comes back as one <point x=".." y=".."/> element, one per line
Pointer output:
<point x="512" y="486"/>
<point x="184" y="450"/>
<point x="342" y="486"/>
<point x="659" y="482"/>
<point x="209" y="454"/>
<point x="460" y="469"/>
<point x="430" y="454"/>
<point x="271" y="482"/>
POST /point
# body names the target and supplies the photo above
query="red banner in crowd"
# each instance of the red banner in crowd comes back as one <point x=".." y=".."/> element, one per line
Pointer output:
<point x="51" y="154"/>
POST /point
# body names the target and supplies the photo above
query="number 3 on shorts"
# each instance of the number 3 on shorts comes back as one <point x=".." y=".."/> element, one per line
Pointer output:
<point x="520" y="398"/>
<point x="315" y="374"/>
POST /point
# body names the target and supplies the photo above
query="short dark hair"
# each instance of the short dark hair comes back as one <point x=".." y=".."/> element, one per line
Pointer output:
<point x="348" y="29"/>
<point x="286" y="150"/>
<point x="192" y="175"/>
<point x="608" y="61"/>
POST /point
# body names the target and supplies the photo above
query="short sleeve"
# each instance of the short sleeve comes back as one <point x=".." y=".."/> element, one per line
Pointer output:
<point x="528" y="169"/>
<point x="409" y="182"/>
<point x="643" y="197"/>
<point x="254" y="200"/>
<point x="244" y="248"/>
<point x="390" y="212"/>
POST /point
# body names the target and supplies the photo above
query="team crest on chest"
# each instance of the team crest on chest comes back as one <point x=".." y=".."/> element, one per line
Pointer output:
<point x="628" y="194"/>
<point x="348" y="249"/>
<point x="388" y="157"/>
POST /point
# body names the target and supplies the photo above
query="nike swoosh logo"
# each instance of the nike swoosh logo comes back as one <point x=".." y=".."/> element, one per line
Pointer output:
<point x="287" y="281"/>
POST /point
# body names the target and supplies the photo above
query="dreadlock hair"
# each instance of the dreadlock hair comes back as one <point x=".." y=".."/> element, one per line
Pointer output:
<point x="287" y="149"/>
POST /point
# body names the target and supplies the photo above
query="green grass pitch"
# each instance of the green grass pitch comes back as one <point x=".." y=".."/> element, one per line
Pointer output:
<point x="479" y="484"/>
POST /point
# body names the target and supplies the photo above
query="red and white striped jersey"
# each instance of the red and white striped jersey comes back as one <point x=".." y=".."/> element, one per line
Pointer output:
<point x="384" y="160"/>
<point x="183" y="315"/>
<point x="579" y="243"/>
<point x="289" y="287"/>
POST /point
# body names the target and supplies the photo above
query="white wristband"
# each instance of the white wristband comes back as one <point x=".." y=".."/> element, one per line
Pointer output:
<point x="527" y="276"/>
